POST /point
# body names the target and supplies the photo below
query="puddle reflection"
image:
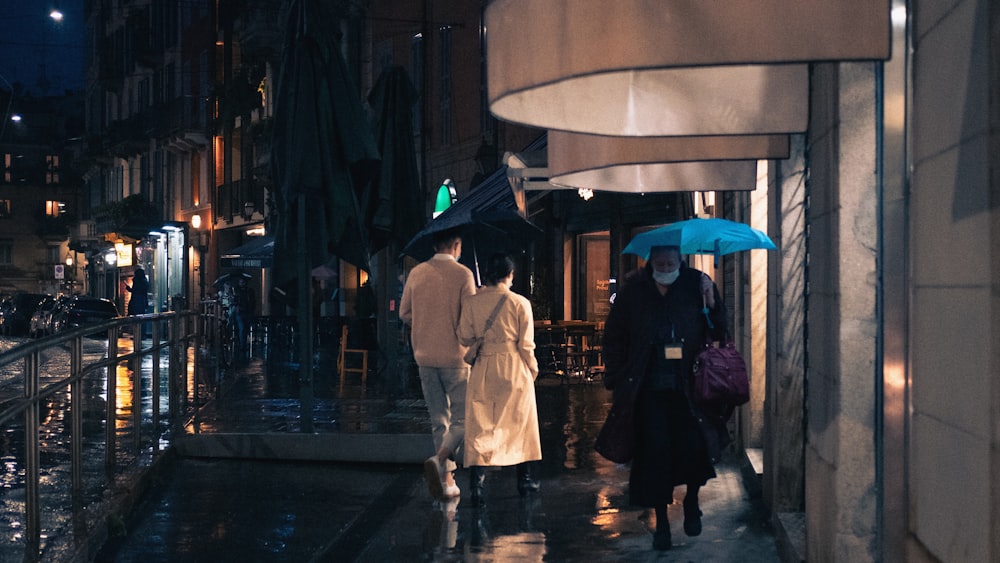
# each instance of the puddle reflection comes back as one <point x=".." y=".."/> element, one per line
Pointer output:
<point x="511" y="528"/>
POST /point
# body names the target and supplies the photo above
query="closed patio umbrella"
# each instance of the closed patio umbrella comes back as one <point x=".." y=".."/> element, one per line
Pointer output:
<point x="323" y="155"/>
<point x="394" y="207"/>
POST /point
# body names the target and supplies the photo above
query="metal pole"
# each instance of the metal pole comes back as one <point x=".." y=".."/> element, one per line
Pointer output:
<point x="174" y="378"/>
<point x="76" y="415"/>
<point x="136" y="391"/>
<point x="31" y="459"/>
<point x="305" y="322"/>
<point x="154" y="385"/>
<point x="109" y="408"/>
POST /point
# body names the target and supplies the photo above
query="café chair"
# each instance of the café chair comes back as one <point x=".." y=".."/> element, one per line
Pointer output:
<point x="347" y="355"/>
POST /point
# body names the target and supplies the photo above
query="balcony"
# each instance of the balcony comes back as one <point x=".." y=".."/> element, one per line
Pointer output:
<point x="182" y="124"/>
<point x="231" y="200"/>
<point x="127" y="137"/>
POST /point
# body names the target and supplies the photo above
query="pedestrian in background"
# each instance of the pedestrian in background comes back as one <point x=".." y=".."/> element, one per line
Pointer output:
<point x="243" y="307"/>
<point x="501" y="415"/>
<point x="432" y="305"/>
<point x="655" y="329"/>
<point x="139" y="302"/>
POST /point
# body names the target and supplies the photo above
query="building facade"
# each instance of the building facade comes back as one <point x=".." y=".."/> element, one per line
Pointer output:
<point x="39" y="191"/>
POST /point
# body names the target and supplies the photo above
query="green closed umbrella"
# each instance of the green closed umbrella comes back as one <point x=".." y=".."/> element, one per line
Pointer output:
<point x="323" y="156"/>
<point x="394" y="207"/>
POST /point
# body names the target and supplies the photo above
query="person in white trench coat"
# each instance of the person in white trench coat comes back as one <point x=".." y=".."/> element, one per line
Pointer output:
<point x="501" y="415"/>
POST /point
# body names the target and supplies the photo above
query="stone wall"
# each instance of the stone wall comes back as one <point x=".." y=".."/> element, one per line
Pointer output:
<point x="954" y="241"/>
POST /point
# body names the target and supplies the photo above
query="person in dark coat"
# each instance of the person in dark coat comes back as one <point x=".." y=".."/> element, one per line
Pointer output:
<point x="139" y="302"/>
<point x="654" y="330"/>
<point x="242" y="310"/>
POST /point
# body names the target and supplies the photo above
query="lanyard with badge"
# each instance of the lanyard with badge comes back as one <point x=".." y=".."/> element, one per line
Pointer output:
<point x="672" y="350"/>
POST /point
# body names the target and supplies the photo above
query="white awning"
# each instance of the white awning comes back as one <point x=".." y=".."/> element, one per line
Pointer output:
<point x="683" y="67"/>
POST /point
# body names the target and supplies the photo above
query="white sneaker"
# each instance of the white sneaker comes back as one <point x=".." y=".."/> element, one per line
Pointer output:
<point x="432" y="473"/>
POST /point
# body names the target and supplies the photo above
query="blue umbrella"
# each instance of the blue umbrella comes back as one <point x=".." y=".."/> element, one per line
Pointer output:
<point x="717" y="237"/>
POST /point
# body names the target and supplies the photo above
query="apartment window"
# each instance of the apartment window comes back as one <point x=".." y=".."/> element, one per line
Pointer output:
<point x="445" y="93"/>
<point x="52" y="255"/>
<point x="4" y="208"/>
<point x="6" y="253"/>
<point x="51" y="169"/>
<point x="8" y="168"/>
<point x="486" y="119"/>
<point x="143" y="94"/>
<point x="170" y="24"/>
<point x="169" y="82"/>
<point x="417" y="64"/>
<point x="54" y="208"/>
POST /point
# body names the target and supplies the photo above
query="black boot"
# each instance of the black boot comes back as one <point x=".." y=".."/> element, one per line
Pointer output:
<point x="661" y="538"/>
<point x="477" y="484"/>
<point x="692" y="513"/>
<point x="525" y="484"/>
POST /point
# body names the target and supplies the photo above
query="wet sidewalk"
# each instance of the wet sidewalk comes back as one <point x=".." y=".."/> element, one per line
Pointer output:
<point x="239" y="492"/>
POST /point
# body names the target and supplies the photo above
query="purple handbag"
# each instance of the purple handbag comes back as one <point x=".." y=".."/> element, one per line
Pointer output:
<point x="720" y="376"/>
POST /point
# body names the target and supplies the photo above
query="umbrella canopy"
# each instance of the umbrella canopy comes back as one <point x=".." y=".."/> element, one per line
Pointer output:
<point x="322" y="148"/>
<point x="324" y="272"/>
<point x="488" y="217"/>
<point x="394" y="208"/>
<point x="701" y="236"/>
<point x="231" y="278"/>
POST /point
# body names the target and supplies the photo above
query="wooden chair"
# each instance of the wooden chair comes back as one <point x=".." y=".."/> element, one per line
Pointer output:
<point x="349" y="354"/>
<point x="550" y="349"/>
<point x="579" y="339"/>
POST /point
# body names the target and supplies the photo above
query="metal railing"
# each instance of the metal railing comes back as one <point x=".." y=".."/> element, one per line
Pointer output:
<point x="119" y="362"/>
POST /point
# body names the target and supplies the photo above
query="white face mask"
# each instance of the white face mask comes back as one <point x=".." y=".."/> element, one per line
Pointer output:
<point x="666" y="278"/>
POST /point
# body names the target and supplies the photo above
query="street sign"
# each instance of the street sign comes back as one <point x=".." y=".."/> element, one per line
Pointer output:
<point x="60" y="271"/>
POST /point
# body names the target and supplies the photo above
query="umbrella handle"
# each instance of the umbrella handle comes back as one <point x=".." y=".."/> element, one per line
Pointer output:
<point x="704" y="309"/>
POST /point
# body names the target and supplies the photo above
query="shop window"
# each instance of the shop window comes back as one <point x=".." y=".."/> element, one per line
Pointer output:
<point x="593" y="277"/>
<point x="54" y="208"/>
<point x="51" y="169"/>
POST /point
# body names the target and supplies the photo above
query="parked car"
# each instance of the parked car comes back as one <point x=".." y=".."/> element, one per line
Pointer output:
<point x="82" y="310"/>
<point x="39" y="325"/>
<point x="15" y="318"/>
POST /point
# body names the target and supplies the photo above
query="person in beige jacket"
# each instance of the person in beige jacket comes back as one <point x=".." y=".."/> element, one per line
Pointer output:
<point x="501" y="416"/>
<point x="431" y="305"/>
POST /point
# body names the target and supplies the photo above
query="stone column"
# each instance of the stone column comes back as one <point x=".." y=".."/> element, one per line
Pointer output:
<point x="841" y="379"/>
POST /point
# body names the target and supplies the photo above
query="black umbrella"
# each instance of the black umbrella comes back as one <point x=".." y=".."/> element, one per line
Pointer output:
<point x="489" y="219"/>
<point x="322" y="157"/>
<point x="394" y="208"/>
<point x="233" y="279"/>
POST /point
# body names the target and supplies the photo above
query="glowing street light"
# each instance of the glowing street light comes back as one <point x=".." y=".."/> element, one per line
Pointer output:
<point x="56" y="15"/>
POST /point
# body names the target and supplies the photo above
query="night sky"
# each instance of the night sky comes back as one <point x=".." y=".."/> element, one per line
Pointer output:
<point x="45" y="56"/>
